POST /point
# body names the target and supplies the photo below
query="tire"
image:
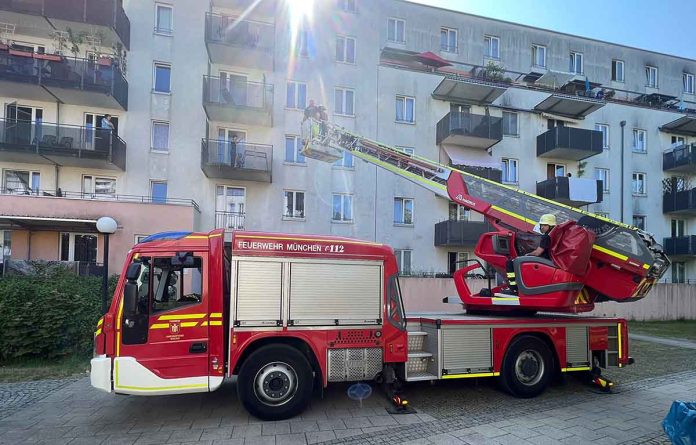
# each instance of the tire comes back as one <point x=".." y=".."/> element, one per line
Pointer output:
<point x="527" y="367"/>
<point x="284" y="374"/>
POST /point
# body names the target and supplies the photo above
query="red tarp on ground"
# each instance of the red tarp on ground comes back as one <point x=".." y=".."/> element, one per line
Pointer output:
<point x="571" y="247"/>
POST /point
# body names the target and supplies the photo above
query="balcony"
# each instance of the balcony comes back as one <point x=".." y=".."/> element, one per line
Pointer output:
<point x="244" y="161"/>
<point x="469" y="130"/>
<point x="50" y="77"/>
<point x="229" y="220"/>
<point x="680" y="246"/>
<point x="569" y="143"/>
<point x="679" y="202"/>
<point x="574" y="192"/>
<point x="40" y="17"/>
<point x="239" y="102"/>
<point x="680" y="159"/>
<point x="231" y="41"/>
<point x="479" y="88"/>
<point x="494" y="174"/>
<point x="569" y="105"/>
<point x="68" y="145"/>
<point x="459" y="233"/>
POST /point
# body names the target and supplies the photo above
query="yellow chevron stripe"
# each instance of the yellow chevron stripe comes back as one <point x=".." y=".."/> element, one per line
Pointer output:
<point x="216" y="315"/>
<point x="160" y="326"/>
<point x="215" y="323"/>
<point x="181" y="317"/>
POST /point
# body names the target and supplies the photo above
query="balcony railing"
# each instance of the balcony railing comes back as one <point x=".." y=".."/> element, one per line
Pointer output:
<point x="239" y="42"/>
<point x="238" y="101"/>
<point x="569" y="143"/>
<point x="61" y="75"/>
<point x="680" y="245"/>
<point x="108" y="13"/>
<point x="575" y="192"/>
<point x="241" y="160"/>
<point x="470" y="130"/>
<point x="229" y="220"/>
<point x="74" y="145"/>
<point x="24" y="190"/>
<point x="679" y="202"/>
<point x="494" y="174"/>
<point x="459" y="233"/>
<point x="680" y="159"/>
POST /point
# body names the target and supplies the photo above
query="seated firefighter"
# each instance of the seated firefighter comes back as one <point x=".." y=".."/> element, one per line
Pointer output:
<point x="546" y="224"/>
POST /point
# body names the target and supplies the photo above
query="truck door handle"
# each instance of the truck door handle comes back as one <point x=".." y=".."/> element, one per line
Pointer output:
<point x="197" y="348"/>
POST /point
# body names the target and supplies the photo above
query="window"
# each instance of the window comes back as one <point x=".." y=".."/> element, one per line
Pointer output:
<point x="342" y="207"/>
<point x="605" y="134"/>
<point x="576" y="65"/>
<point x="173" y="286"/>
<point x="617" y="70"/>
<point x="554" y="170"/>
<point x="403" y="260"/>
<point x="539" y="56"/>
<point x="294" y="204"/>
<point x="678" y="272"/>
<point x="640" y="144"/>
<point x="345" y="49"/>
<point x="158" y="192"/>
<point x="456" y="260"/>
<point x="403" y="211"/>
<point x="407" y="150"/>
<point x="163" y="19"/>
<point x="510" y="127"/>
<point x="293" y="145"/>
<point x="347" y="6"/>
<point x="688" y="80"/>
<point x="346" y="161"/>
<point x="678" y="140"/>
<point x="303" y="37"/>
<point x="651" y="76"/>
<point x="678" y="228"/>
<point x="639" y="221"/>
<point x="344" y="102"/>
<point x="21" y="182"/>
<point x="491" y="47"/>
<point x="140" y="238"/>
<point x="78" y="247"/>
<point x="638" y="184"/>
<point x="602" y="174"/>
<point x="458" y="212"/>
<point x="510" y="171"/>
<point x="405" y="109"/>
<point x="296" y="95"/>
<point x="396" y="31"/>
<point x="160" y="136"/>
<point x="448" y="40"/>
<point x="162" y="78"/>
<point x="98" y="186"/>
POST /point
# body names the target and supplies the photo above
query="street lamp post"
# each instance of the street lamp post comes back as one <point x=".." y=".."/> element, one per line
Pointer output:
<point x="106" y="226"/>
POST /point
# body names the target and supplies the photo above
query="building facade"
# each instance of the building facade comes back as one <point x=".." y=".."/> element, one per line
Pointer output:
<point x="207" y="106"/>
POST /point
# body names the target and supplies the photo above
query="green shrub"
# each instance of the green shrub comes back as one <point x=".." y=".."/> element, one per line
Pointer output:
<point x="49" y="315"/>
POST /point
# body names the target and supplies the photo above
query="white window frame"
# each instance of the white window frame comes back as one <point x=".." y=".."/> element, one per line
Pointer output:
<point x="488" y="47"/>
<point x="158" y="30"/>
<point x="576" y="56"/>
<point x="649" y="81"/>
<point x="71" y="244"/>
<point x="517" y="123"/>
<point x="636" y="138"/>
<point x="159" y="181"/>
<point x="343" y="164"/>
<point x="604" y="129"/>
<point x="408" y="150"/>
<point x="645" y="220"/>
<point x="344" y="56"/>
<point x="152" y="136"/>
<point x="460" y="256"/>
<point x="556" y="166"/>
<point x="32" y="174"/>
<point x="296" y="96"/>
<point x="535" y="53"/>
<point x="93" y="187"/>
<point x="296" y="153"/>
<point x="462" y="213"/>
<point x="401" y="263"/>
<point x="403" y="201"/>
<point x="688" y="81"/>
<point x="677" y="222"/>
<point x="343" y="6"/>
<point x="154" y="77"/>
<point x="394" y="22"/>
<point x="138" y="238"/>
<point x="342" y="218"/>
<point x="404" y="100"/>
<point x="447" y="48"/>
<point x="636" y="178"/>
<point x="507" y="161"/>
<point x="679" y="272"/>
<point x="295" y="216"/>
<point x="623" y="70"/>
<point x="344" y="94"/>
<point x="603" y="175"/>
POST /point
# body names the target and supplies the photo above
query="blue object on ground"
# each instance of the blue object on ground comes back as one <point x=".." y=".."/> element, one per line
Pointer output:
<point x="680" y="423"/>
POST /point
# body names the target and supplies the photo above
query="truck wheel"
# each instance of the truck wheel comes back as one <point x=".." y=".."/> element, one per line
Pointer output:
<point x="275" y="382"/>
<point x="527" y="367"/>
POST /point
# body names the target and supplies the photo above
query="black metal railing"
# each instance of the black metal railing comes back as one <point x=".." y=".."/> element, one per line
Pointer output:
<point x="588" y="142"/>
<point x="229" y="220"/>
<point x="680" y="156"/>
<point x="494" y="174"/>
<point x="459" y="233"/>
<point x="471" y="125"/>
<point x="45" y="138"/>
<point x="235" y="93"/>
<point x="107" y="13"/>
<point x="50" y="70"/>
<point x="680" y="245"/>
<point x="676" y="200"/>
<point x="559" y="189"/>
<point x="241" y="155"/>
<point x="230" y="30"/>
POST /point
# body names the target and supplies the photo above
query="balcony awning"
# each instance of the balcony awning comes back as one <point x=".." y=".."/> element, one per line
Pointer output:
<point x="685" y="125"/>
<point x="459" y="156"/>
<point x="576" y="107"/>
<point x="50" y="224"/>
<point x="556" y="79"/>
<point x="558" y="117"/>
<point x="464" y="89"/>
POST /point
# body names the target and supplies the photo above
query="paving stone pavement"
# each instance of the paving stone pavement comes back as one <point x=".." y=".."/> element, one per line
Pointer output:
<point x="678" y="342"/>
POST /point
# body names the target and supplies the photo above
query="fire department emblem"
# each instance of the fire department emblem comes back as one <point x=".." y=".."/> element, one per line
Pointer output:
<point x="174" y="328"/>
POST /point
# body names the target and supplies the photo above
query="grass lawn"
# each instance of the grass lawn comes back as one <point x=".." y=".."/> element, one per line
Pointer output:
<point x="39" y="369"/>
<point x="685" y="329"/>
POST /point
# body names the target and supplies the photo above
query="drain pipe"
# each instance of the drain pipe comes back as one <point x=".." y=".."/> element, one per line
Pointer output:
<point x="623" y="179"/>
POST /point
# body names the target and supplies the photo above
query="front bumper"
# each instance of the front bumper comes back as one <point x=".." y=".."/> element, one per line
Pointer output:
<point x="100" y="374"/>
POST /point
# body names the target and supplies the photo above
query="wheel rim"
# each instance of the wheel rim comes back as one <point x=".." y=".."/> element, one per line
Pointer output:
<point x="275" y="384"/>
<point x="529" y="367"/>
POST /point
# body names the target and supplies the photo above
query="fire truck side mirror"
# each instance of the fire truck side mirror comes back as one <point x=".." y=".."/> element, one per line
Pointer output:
<point x="130" y="299"/>
<point x="133" y="272"/>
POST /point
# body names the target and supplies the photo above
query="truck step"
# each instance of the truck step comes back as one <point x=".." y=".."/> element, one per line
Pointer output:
<point x="416" y="340"/>
<point x="420" y="377"/>
<point x="419" y="355"/>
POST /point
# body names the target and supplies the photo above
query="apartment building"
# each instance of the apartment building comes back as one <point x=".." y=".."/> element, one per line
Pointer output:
<point x="208" y="101"/>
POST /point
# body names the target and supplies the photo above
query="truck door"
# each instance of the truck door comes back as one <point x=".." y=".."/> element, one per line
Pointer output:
<point x="163" y="347"/>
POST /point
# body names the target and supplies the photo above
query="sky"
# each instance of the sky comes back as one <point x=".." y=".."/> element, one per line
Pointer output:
<point x="666" y="26"/>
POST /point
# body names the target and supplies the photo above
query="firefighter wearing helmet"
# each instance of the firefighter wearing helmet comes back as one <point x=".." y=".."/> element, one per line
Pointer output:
<point x="546" y="223"/>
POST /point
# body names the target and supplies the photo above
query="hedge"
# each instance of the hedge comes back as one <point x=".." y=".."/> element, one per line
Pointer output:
<point x="49" y="315"/>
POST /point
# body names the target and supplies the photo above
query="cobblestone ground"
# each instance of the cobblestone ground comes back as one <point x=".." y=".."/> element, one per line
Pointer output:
<point x="449" y="412"/>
